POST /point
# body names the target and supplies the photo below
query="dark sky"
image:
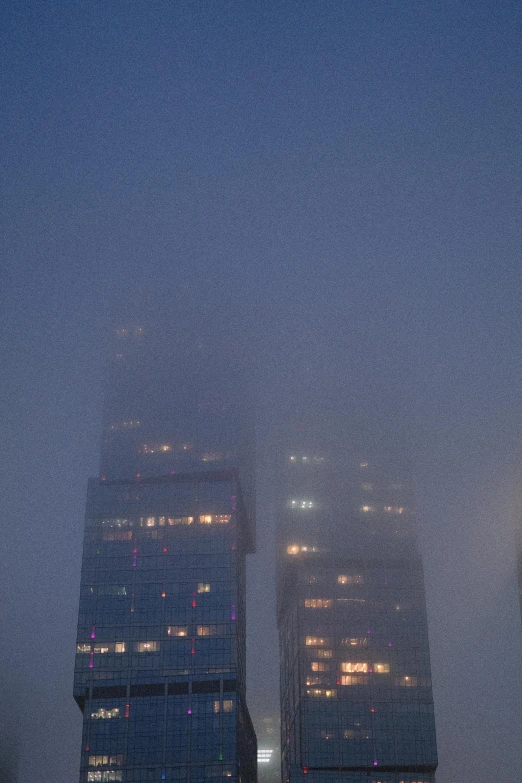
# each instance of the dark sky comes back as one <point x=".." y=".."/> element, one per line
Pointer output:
<point x="340" y="182"/>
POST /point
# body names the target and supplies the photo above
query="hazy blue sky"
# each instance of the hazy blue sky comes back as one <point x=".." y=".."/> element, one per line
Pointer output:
<point x="338" y="180"/>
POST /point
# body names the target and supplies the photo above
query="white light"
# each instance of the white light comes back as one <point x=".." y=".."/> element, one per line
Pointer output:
<point x="264" y="756"/>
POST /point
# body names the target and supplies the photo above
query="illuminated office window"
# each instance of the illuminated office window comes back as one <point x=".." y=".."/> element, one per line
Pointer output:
<point x="324" y="653"/>
<point x="292" y="549"/>
<point x="144" y="647"/>
<point x="103" y="714"/>
<point x="367" y="509"/>
<point x="318" y="603"/>
<point x="355" y="641"/>
<point x="322" y="693"/>
<point x="381" y="668"/>
<point x="319" y="666"/>
<point x="227" y="705"/>
<point x="177" y="630"/>
<point x="352" y="666"/>
<point x="317" y="641"/>
<point x="300" y="503"/>
<point x="351" y="679"/>
<point x="203" y="587"/>
<point x="104" y="761"/>
<point x="407" y="682"/>
<point x="315" y="679"/>
<point x="213" y="519"/>
<point x="180" y="520"/>
<point x="350" y="579"/>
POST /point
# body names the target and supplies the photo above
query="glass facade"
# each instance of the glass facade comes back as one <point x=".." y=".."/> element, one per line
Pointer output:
<point x="160" y="661"/>
<point x="356" y="698"/>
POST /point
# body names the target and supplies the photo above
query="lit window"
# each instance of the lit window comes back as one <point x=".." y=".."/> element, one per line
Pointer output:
<point x="381" y="668"/>
<point x="324" y="653"/>
<point x="116" y="522"/>
<point x="292" y="549"/>
<point x="292" y="458"/>
<point x="216" y="629"/>
<point x="367" y="509"/>
<point x="318" y="603"/>
<point x="363" y="464"/>
<point x="301" y="503"/>
<point x="264" y="755"/>
<point x="177" y="630"/>
<point x="150" y="522"/>
<point x="101" y="649"/>
<point x="355" y="641"/>
<point x="326" y="734"/>
<point x="210" y="519"/>
<point x="317" y="641"/>
<point x="317" y="679"/>
<point x="144" y="647"/>
<point x="352" y="666"/>
<point x="350" y="579"/>
<point x="408" y="682"/>
<point x="228" y="705"/>
<point x="203" y="587"/>
<point x="107" y="776"/>
<point x="394" y="509"/>
<point x="319" y="666"/>
<point x="350" y="679"/>
<point x="102" y="714"/>
<point x="111" y="590"/>
<point x="180" y="520"/>
<point x="103" y="761"/>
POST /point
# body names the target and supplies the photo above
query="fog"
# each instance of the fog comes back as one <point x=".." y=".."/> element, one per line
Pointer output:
<point x="335" y="189"/>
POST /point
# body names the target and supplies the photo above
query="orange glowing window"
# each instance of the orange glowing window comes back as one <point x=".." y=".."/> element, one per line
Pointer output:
<point x="177" y="630"/>
<point x="350" y="679"/>
<point x="354" y="666"/>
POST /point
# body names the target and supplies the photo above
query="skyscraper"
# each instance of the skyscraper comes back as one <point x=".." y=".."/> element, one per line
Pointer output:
<point x="356" y="698"/>
<point x="160" y="664"/>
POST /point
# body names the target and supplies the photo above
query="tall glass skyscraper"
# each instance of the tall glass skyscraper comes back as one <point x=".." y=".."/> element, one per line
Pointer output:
<point x="356" y="698"/>
<point x="160" y="663"/>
